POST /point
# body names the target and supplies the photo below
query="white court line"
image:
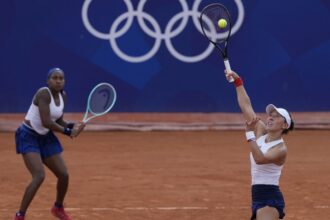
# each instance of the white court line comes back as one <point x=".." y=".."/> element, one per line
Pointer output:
<point x="322" y="207"/>
<point x="99" y="209"/>
<point x="182" y="208"/>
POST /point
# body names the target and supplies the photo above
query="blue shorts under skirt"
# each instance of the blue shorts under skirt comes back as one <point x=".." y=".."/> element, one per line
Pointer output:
<point x="27" y="141"/>
<point x="267" y="195"/>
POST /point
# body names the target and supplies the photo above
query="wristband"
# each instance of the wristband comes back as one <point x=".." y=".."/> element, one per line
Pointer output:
<point x="70" y="125"/>
<point x="67" y="131"/>
<point x="250" y="136"/>
<point x="238" y="82"/>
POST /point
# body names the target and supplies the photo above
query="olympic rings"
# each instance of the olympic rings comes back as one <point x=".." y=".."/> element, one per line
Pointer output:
<point x="156" y="32"/>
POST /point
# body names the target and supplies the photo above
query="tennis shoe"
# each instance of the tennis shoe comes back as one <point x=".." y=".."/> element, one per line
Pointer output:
<point x="19" y="217"/>
<point x="60" y="213"/>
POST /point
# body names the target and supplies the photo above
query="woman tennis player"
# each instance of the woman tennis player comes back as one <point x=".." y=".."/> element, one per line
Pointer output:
<point x="268" y="154"/>
<point x="38" y="145"/>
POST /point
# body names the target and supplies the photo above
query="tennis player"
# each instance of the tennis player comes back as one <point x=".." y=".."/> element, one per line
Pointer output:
<point x="36" y="141"/>
<point x="268" y="154"/>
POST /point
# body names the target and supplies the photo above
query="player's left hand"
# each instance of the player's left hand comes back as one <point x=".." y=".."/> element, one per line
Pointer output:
<point x="250" y="125"/>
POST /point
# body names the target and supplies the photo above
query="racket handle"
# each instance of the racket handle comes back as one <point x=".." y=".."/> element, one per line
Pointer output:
<point x="228" y="70"/>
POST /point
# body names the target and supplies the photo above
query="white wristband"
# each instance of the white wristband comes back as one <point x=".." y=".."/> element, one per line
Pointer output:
<point x="250" y="135"/>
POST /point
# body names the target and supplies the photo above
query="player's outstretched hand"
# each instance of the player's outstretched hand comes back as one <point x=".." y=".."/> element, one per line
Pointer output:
<point x="231" y="74"/>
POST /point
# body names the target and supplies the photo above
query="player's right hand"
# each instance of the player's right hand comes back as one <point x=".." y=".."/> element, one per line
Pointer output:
<point x="78" y="127"/>
<point x="231" y="74"/>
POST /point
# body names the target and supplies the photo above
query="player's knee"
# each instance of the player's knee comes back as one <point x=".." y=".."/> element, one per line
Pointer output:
<point x="38" y="177"/>
<point x="64" y="175"/>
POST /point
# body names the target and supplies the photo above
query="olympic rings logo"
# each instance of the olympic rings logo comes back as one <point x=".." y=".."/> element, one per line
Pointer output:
<point x="156" y="33"/>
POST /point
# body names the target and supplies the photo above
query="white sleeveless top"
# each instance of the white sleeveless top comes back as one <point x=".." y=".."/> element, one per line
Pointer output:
<point x="268" y="174"/>
<point x="33" y="114"/>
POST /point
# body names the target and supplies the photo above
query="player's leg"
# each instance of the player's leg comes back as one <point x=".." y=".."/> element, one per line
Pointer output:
<point x="267" y="213"/>
<point x="51" y="155"/>
<point x="57" y="165"/>
<point x="34" y="164"/>
<point x="27" y="144"/>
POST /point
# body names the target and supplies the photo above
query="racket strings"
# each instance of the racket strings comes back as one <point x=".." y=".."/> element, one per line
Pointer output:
<point x="209" y="22"/>
<point x="102" y="99"/>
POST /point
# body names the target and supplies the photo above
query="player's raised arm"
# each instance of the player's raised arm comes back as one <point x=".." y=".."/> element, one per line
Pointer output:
<point x="244" y="103"/>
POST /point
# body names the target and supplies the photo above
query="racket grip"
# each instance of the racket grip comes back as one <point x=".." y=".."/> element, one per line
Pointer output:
<point x="228" y="70"/>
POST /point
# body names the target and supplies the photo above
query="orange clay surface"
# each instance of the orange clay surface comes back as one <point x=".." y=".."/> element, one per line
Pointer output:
<point x="168" y="176"/>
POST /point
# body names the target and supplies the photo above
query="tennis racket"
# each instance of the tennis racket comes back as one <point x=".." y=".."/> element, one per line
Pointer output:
<point x="218" y="36"/>
<point x="100" y="101"/>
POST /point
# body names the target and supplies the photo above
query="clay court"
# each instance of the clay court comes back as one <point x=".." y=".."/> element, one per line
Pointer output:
<point x="161" y="175"/>
<point x="171" y="84"/>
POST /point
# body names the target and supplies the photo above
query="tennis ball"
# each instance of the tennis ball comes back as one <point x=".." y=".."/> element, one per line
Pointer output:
<point x="222" y="23"/>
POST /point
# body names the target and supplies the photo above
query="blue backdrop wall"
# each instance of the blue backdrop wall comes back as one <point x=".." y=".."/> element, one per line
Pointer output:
<point x="155" y="56"/>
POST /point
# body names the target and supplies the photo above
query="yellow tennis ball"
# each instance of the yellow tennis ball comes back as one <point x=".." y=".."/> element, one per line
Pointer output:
<point x="222" y="23"/>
